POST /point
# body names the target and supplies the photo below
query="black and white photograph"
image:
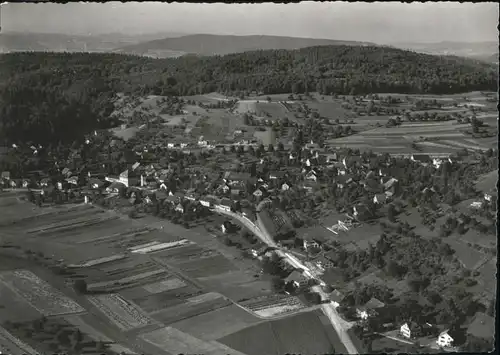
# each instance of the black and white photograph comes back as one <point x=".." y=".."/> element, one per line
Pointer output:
<point x="304" y="178"/>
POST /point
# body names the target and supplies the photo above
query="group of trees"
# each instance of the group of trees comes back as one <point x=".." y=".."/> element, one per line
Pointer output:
<point x="58" y="96"/>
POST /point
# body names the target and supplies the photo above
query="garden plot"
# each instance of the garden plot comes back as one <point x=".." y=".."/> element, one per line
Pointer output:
<point x="158" y="301"/>
<point x="217" y="323"/>
<point x="165" y="285"/>
<point x="157" y="246"/>
<point x="176" y="342"/>
<point x="180" y="254"/>
<point x="189" y="309"/>
<point x="207" y="266"/>
<point x="272" y="305"/>
<point x="42" y="296"/>
<point x="237" y="285"/>
<point x="120" y="312"/>
<point x="15" y="308"/>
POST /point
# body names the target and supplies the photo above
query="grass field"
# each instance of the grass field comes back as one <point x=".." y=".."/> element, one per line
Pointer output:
<point x="217" y="323"/>
<point x="189" y="309"/>
<point x="42" y="296"/>
<point x="15" y="308"/>
<point x="176" y="342"/>
<point x="155" y="302"/>
<point x="300" y="334"/>
<point x="202" y="267"/>
<point x="120" y="312"/>
<point x="487" y="181"/>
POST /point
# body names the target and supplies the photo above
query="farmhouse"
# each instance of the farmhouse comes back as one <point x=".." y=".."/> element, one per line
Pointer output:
<point x="285" y="187"/>
<point x="207" y="201"/>
<point x="225" y="204"/>
<point x="362" y="212"/>
<point x="337" y="297"/>
<point x="296" y="279"/>
<point x="311" y="176"/>
<point x="72" y="180"/>
<point x="115" y="187"/>
<point x="409" y="330"/>
<point x="258" y="193"/>
<point x="369" y="309"/>
<point x="380" y="198"/>
<point x="96" y="183"/>
<point x="445" y="339"/>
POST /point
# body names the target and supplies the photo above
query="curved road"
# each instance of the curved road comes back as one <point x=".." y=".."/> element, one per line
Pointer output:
<point x="328" y="309"/>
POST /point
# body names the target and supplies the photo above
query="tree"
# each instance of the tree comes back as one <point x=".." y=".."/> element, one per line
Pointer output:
<point x="277" y="284"/>
<point x="80" y="286"/>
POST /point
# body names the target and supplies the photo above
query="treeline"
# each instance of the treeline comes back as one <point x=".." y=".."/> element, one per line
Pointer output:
<point x="55" y="96"/>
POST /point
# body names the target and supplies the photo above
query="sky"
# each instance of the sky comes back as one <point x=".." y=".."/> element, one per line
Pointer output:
<point x="374" y="22"/>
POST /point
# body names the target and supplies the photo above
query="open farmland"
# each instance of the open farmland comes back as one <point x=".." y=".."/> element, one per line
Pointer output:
<point x="120" y="312"/>
<point x="176" y="342"/>
<point x="300" y="334"/>
<point x="217" y="323"/>
<point x="15" y="308"/>
<point x="201" y="267"/>
<point x="42" y="296"/>
<point x="14" y="346"/>
<point x="273" y="305"/>
<point x="189" y="309"/>
<point x="157" y="301"/>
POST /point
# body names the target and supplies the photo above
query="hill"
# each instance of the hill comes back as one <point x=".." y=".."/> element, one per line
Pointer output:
<point x="205" y="44"/>
<point x="57" y="97"/>
<point x="55" y="42"/>
<point x="477" y="50"/>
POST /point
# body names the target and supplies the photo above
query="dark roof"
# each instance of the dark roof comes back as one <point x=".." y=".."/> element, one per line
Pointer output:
<point x="337" y="296"/>
<point x="226" y="202"/>
<point x="421" y="157"/>
<point x="295" y="276"/>
<point x="374" y="303"/>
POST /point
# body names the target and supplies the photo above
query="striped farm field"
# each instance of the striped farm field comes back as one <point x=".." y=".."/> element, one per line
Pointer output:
<point x="158" y="301"/>
<point x="42" y="296"/>
<point x="189" y="309"/>
<point x="122" y="313"/>
<point x="165" y="285"/>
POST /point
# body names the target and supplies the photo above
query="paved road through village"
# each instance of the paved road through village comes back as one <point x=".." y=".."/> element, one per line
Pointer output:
<point x="328" y="309"/>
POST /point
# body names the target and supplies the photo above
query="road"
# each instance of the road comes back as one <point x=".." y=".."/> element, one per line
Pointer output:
<point x="328" y="309"/>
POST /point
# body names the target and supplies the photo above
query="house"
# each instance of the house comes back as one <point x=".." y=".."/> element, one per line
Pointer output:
<point x="444" y="339"/>
<point x="115" y="187"/>
<point x="308" y="244"/>
<point x="384" y="171"/>
<point x="171" y="199"/>
<point x="6" y="175"/>
<point x="351" y="161"/>
<point x="343" y="180"/>
<point x="369" y="309"/>
<point x="482" y="326"/>
<point x="337" y="297"/>
<point x="72" y="180"/>
<point x="179" y="208"/>
<point x="476" y="204"/>
<point x="409" y="330"/>
<point x="361" y="212"/>
<point x="128" y="178"/>
<point x="388" y="182"/>
<point x="13" y="183"/>
<point x="224" y="188"/>
<point x="285" y="187"/>
<point x="323" y="263"/>
<point x="380" y="198"/>
<point x="258" y="193"/>
<point x="225" y="204"/>
<point x="44" y="182"/>
<point x="423" y="159"/>
<point x="311" y="176"/>
<point x="276" y="175"/>
<point x="228" y="227"/>
<point x="96" y="183"/>
<point x="488" y="197"/>
<point x="296" y="279"/>
<point x="207" y="201"/>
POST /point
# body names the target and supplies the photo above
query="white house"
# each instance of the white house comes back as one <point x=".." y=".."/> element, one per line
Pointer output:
<point x="444" y="339"/>
<point x="179" y="208"/>
<point x="405" y="331"/>
<point x="311" y="175"/>
<point x="476" y="204"/>
<point x="170" y="145"/>
<point x="285" y="187"/>
<point x="488" y="197"/>
<point x="310" y="244"/>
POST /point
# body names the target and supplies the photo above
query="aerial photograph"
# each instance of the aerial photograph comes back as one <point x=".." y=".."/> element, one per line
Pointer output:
<point x="248" y="179"/>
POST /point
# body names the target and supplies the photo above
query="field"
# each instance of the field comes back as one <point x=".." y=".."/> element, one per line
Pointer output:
<point x="189" y="309"/>
<point x="176" y="342"/>
<point x="300" y="334"/>
<point x="217" y="323"/>
<point x="46" y="299"/>
<point x="202" y="267"/>
<point x="15" y="308"/>
<point x="487" y="181"/>
<point x="273" y="305"/>
<point x="120" y="312"/>
<point x="155" y="302"/>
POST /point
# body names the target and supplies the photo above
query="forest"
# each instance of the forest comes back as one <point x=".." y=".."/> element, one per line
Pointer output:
<point x="58" y="96"/>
